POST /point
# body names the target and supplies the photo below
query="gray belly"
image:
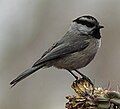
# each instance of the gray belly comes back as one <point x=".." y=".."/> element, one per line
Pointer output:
<point x="74" y="61"/>
<point x="78" y="59"/>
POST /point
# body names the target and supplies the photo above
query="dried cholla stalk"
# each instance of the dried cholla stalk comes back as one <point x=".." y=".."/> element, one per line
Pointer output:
<point x="89" y="97"/>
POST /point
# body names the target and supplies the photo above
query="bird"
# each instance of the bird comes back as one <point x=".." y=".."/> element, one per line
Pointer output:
<point x="75" y="50"/>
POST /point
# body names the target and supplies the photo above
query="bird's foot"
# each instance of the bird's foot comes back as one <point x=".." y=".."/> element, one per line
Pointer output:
<point x="85" y="77"/>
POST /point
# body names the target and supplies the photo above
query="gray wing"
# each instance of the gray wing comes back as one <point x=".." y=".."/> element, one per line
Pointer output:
<point x="63" y="49"/>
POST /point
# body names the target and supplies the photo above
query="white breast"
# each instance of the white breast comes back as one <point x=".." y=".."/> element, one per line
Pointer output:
<point x="99" y="42"/>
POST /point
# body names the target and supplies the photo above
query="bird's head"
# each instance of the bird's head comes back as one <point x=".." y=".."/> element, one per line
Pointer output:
<point x="88" y="25"/>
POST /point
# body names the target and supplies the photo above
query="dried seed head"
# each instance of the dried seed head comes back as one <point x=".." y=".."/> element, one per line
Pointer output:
<point x="89" y="97"/>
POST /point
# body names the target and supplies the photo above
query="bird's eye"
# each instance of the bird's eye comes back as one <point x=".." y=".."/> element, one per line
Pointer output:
<point x="84" y="22"/>
<point x="88" y="24"/>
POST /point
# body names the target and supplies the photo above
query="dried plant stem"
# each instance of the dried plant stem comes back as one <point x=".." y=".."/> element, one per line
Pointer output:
<point x="90" y="97"/>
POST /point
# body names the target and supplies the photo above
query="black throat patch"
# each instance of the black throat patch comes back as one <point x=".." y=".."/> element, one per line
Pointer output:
<point x="96" y="33"/>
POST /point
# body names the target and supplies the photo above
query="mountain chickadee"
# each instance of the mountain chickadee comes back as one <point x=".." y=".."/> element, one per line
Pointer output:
<point x="73" y="51"/>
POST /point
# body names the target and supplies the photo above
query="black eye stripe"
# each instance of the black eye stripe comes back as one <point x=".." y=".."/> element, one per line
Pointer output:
<point x="85" y="22"/>
<point x="89" y="24"/>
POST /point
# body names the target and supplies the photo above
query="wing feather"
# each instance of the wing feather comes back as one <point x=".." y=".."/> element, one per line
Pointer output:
<point x="62" y="50"/>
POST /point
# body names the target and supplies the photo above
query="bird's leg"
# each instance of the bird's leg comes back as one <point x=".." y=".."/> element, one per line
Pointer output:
<point x="73" y="74"/>
<point x="85" y="77"/>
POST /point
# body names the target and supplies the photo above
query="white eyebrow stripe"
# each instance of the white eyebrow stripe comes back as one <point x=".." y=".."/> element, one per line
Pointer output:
<point x="86" y="19"/>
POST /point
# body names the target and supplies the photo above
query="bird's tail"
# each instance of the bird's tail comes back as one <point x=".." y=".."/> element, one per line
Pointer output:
<point x="25" y="74"/>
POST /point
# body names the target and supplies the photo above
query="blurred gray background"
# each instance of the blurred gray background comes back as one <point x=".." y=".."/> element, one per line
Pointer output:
<point x="29" y="27"/>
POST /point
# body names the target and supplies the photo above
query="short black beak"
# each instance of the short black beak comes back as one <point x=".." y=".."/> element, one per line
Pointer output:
<point x="99" y="27"/>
